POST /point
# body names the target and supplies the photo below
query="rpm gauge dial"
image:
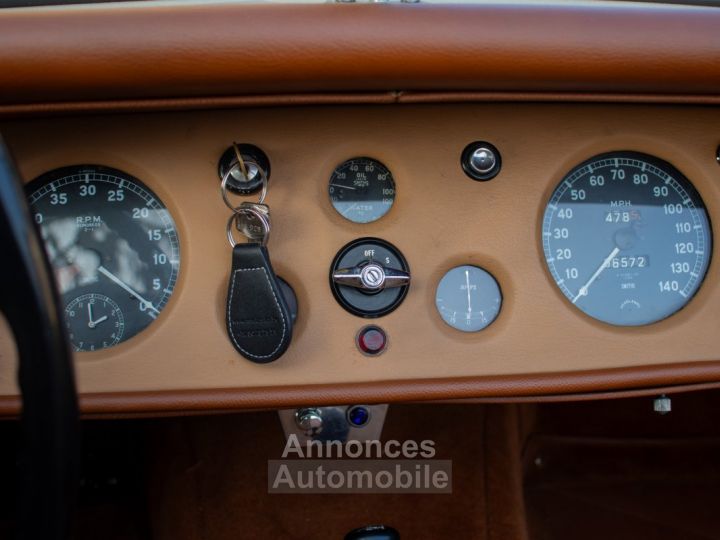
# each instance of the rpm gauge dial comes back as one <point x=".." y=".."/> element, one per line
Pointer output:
<point x="627" y="238"/>
<point x="114" y="249"/>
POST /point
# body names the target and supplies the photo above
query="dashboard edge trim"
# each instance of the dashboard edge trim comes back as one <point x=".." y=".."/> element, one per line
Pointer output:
<point x="639" y="380"/>
<point x="8" y="111"/>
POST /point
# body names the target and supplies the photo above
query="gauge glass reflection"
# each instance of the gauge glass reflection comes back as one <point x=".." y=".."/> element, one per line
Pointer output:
<point x="114" y="250"/>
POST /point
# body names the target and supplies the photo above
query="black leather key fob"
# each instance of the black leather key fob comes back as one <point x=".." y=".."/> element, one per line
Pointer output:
<point x="258" y="319"/>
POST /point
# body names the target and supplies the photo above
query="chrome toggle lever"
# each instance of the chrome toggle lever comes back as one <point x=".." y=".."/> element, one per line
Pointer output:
<point x="371" y="277"/>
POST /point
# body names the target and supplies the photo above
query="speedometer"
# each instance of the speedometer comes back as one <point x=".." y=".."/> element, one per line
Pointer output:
<point x="627" y="238"/>
<point x="114" y="249"/>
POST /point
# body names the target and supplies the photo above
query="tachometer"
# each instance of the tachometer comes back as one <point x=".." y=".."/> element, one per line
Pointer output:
<point x="114" y="248"/>
<point x="627" y="238"/>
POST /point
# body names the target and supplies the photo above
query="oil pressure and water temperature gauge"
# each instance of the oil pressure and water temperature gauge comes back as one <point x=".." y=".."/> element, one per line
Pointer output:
<point x="362" y="190"/>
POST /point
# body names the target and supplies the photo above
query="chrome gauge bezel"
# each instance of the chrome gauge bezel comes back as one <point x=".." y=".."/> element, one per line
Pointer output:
<point x="665" y="174"/>
<point x="147" y="302"/>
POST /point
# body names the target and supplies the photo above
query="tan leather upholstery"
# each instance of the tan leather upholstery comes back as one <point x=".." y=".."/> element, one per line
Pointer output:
<point x="120" y="51"/>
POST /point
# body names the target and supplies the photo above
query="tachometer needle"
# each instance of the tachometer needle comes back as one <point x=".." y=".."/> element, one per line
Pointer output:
<point x="112" y="277"/>
<point x="584" y="289"/>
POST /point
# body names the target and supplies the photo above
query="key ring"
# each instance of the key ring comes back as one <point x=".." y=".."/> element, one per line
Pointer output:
<point x="226" y="178"/>
<point x="262" y="218"/>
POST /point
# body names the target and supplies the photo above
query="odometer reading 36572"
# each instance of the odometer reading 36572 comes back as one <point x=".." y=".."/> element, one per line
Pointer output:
<point x="627" y="238"/>
<point x="114" y="248"/>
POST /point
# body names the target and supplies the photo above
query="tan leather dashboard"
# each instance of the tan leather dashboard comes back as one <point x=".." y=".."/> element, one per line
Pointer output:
<point x="409" y="85"/>
<point x="538" y="345"/>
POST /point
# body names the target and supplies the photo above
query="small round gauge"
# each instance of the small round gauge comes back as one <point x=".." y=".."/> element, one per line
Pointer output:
<point x="113" y="246"/>
<point x="94" y="322"/>
<point x="627" y="238"/>
<point x="468" y="298"/>
<point x="362" y="190"/>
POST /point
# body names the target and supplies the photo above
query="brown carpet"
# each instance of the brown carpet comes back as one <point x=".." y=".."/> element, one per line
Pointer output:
<point x="618" y="471"/>
<point x="611" y="470"/>
<point x="210" y="480"/>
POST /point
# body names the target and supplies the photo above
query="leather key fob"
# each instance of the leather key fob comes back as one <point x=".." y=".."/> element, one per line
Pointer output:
<point x="259" y="322"/>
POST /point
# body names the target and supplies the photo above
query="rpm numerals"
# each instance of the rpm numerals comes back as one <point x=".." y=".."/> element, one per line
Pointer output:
<point x="114" y="248"/>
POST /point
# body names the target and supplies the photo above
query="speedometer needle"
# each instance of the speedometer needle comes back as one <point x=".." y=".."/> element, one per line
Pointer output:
<point x="584" y="289"/>
<point x="114" y="278"/>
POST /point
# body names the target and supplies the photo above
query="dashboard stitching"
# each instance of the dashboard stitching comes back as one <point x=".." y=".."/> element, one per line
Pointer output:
<point x="277" y="304"/>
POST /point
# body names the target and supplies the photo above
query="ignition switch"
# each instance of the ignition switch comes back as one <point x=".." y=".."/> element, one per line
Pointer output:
<point x="369" y="277"/>
<point x="253" y="157"/>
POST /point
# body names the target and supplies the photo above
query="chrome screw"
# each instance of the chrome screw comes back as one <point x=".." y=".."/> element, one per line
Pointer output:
<point x="662" y="404"/>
